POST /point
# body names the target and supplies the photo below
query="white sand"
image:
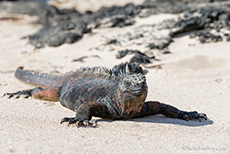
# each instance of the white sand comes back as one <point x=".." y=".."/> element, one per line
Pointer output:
<point x="193" y="78"/>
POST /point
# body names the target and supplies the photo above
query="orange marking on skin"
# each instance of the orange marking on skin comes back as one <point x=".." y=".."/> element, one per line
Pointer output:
<point x="47" y="94"/>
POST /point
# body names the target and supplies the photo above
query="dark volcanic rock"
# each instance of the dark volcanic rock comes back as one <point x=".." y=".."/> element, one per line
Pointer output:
<point x="171" y="6"/>
<point x="113" y="16"/>
<point x="160" y="45"/>
<point x="139" y="57"/>
<point x="57" y="35"/>
<point x="196" y="19"/>
<point x="81" y="59"/>
<point x="208" y="22"/>
<point x="163" y="6"/>
<point x="49" y="15"/>
<point x="59" y="26"/>
<point x="123" y="53"/>
<point x="206" y="36"/>
<point x="68" y="25"/>
<point x="133" y="67"/>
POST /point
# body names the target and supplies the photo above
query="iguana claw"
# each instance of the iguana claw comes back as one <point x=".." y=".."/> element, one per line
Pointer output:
<point x="193" y="115"/>
<point x="24" y="93"/>
<point x="86" y="123"/>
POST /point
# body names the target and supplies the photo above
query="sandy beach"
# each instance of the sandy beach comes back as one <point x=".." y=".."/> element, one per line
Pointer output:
<point x="194" y="76"/>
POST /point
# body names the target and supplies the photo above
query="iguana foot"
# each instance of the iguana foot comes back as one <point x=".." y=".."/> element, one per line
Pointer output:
<point x="24" y="93"/>
<point x="86" y="123"/>
<point x="192" y="115"/>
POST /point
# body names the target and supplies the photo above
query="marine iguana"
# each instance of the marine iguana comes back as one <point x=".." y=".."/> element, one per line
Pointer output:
<point x="99" y="92"/>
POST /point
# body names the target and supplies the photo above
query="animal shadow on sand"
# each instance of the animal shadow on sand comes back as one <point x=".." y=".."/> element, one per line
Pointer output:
<point x="165" y="120"/>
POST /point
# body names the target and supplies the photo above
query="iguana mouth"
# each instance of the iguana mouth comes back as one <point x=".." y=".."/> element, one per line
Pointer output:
<point x="136" y="92"/>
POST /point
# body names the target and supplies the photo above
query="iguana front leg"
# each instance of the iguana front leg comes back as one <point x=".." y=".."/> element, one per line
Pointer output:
<point x="49" y="94"/>
<point x="84" y="114"/>
<point x="154" y="107"/>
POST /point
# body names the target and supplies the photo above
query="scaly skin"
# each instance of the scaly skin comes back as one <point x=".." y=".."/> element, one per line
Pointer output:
<point x="98" y="92"/>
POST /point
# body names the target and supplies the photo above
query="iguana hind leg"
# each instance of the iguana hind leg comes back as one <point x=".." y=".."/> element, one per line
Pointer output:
<point x="49" y="94"/>
<point x="154" y="107"/>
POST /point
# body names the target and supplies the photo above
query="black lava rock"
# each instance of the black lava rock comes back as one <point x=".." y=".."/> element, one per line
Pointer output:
<point x="68" y="25"/>
<point x="133" y="68"/>
<point x="139" y="57"/>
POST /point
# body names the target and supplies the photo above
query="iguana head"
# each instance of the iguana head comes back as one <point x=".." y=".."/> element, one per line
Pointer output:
<point x="132" y="92"/>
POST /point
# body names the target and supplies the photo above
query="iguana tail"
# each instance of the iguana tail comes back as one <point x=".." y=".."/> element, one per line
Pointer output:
<point x="38" y="79"/>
